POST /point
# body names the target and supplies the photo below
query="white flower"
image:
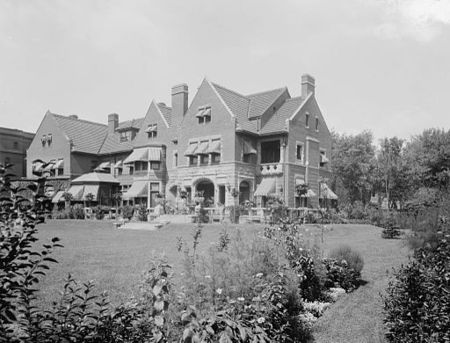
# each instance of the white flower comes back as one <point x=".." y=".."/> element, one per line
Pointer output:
<point x="207" y="276"/>
<point x="261" y="320"/>
<point x="259" y="275"/>
<point x="241" y="299"/>
<point x="219" y="291"/>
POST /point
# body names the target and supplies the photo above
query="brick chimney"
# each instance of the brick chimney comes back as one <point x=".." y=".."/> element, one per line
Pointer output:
<point x="308" y="85"/>
<point x="179" y="102"/>
<point x="113" y="122"/>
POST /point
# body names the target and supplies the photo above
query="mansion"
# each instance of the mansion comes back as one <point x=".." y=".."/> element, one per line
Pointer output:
<point x="229" y="146"/>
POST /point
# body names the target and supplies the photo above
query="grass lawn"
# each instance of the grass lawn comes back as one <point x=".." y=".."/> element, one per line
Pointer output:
<point x="115" y="259"/>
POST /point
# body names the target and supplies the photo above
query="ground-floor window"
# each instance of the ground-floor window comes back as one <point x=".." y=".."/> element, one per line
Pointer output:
<point x="301" y="202"/>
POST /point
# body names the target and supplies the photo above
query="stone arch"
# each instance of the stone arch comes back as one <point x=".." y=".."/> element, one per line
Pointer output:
<point x="206" y="186"/>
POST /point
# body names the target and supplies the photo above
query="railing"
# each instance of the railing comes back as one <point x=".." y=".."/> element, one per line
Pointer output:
<point x="271" y="168"/>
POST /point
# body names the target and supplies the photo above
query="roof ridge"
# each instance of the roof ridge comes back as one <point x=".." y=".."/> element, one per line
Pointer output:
<point x="268" y="91"/>
<point x="78" y="119"/>
<point x="230" y="90"/>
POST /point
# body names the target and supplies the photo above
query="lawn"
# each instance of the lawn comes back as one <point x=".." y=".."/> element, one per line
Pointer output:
<point x="115" y="259"/>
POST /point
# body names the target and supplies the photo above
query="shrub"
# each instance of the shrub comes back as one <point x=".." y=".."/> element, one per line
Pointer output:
<point x="417" y="301"/>
<point x="142" y="213"/>
<point x="99" y="214"/>
<point x="353" y="258"/>
<point x="127" y="212"/>
<point x="339" y="274"/>
<point x="78" y="211"/>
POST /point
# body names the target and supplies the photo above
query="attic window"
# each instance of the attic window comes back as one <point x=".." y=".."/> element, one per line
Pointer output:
<point x="124" y="136"/>
<point x="307" y="120"/>
<point x="317" y="124"/>
<point x="204" y="114"/>
<point x="44" y="140"/>
<point x="152" y="130"/>
<point x="49" y="138"/>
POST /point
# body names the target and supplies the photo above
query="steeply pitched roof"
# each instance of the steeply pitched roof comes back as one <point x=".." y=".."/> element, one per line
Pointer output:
<point x="247" y="108"/>
<point x="166" y="112"/>
<point x="86" y="136"/>
<point x="260" y="102"/>
<point x="277" y="122"/>
<point x="113" y="144"/>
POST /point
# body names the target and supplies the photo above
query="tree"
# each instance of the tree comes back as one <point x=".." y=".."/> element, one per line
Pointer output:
<point x="353" y="163"/>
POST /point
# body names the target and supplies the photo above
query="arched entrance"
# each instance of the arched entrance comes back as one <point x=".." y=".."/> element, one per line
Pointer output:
<point x="244" y="191"/>
<point x="206" y="188"/>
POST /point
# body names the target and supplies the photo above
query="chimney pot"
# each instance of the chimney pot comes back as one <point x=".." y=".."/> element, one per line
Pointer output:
<point x="113" y="122"/>
<point x="308" y="85"/>
<point x="179" y="102"/>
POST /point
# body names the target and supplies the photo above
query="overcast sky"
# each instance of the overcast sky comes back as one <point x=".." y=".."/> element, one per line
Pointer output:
<point x="382" y="65"/>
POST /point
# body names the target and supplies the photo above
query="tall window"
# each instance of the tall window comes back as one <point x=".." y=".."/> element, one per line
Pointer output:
<point x="307" y="120"/>
<point x="155" y="165"/>
<point x="317" y="124"/>
<point x="299" y="152"/>
<point x="215" y="158"/>
<point x="175" y="159"/>
<point x="270" y="152"/>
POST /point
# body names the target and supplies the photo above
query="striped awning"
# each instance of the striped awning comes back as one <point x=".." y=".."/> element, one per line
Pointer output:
<point x="309" y="194"/>
<point x="139" y="188"/>
<point x="50" y="165"/>
<point x="191" y="149"/>
<point x="37" y="166"/>
<point x="323" y="159"/>
<point x="248" y="149"/>
<point x="92" y="189"/>
<point x="59" y="164"/>
<point x="202" y="148"/>
<point x="76" y="191"/>
<point x="140" y="154"/>
<point x="154" y="154"/>
<point x="299" y="181"/>
<point x="214" y="147"/>
<point x="326" y="192"/>
<point x="266" y="187"/>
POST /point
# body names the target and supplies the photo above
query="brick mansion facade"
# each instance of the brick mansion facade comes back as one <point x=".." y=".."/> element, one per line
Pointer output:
<point x="229" y="146"/>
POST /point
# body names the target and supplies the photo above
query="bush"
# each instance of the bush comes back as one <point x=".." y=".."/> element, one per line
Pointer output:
<point x="417" y="301"/>
<point x="99" y="214"/>
<point x="127" y="212"/>
<point x="339" y="274"/>
<point x="353" y="258"/>
<point x="78" y="211"/>
<point x="142" y="213"/>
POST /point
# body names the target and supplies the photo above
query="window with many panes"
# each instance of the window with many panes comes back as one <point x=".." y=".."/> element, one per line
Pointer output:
<point x="270" y="151"/>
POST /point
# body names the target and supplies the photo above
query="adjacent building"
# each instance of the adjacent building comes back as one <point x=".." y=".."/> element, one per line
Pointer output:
<point x="13" y="146"/>
<point x="226" y="146"/>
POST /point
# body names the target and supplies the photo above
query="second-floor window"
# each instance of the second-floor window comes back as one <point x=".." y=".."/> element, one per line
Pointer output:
<point x="204" y="159"/>
<point x="131" y="170"/>
<point x="155" y="165"/>
<point x="215" y="158"/>
<point x="193" y="160"/>
<point x="299" y="152"/>
<point x="204" y="114"/>
<point x="152" y="130"/>
<point x="270" y="151"/>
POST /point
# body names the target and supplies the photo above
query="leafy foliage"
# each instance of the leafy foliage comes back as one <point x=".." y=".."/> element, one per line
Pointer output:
<point x="417" y="304"/>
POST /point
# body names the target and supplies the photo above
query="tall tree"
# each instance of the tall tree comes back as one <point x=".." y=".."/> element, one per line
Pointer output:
<point x="353" y="164"/>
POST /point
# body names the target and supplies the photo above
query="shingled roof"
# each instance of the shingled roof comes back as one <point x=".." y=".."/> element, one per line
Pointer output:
<point x="86" y="136"/>
<point x="130" y="124"/>
<point x="247" y="108"/>
<point x="166" y="112"/>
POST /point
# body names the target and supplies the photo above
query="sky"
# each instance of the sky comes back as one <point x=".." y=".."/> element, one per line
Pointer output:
<point x="379" y="65"/>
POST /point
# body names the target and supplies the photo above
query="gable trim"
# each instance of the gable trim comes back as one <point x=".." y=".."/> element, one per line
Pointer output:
<point x="160" y="113"/>
<point x="300" y="107"/>
<point x="221" y="100"/>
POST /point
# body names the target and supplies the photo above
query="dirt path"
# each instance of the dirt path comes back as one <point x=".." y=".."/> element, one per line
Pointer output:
<point x="357" y="317"/>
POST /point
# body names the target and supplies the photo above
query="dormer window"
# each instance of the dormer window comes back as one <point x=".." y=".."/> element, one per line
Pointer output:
<point x="124" y="136"/>
<point x="49" y="139"/>
<point x="152" y="130"/>
<point x="204" y="114"/>
<point x="44" y="140"/>
<point x="307" y="120"/>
